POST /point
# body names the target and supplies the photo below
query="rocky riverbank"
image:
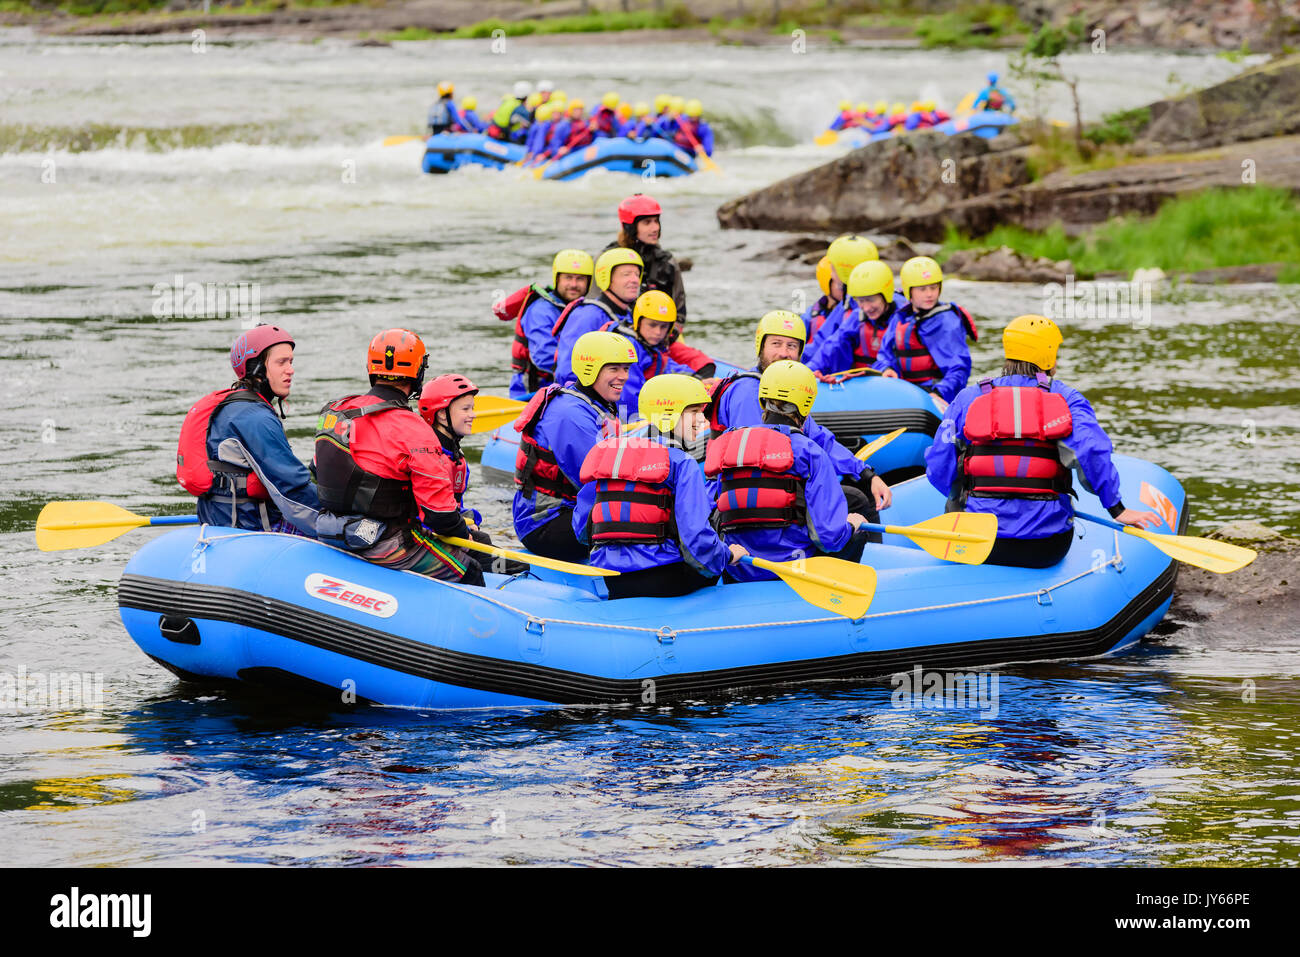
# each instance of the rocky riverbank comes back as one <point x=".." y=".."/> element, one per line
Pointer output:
<point x="1245" y="131"/>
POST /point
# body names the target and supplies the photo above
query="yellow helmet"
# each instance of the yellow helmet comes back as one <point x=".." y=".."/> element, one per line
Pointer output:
<point x="544" y="112"/>
<point x="559" y="95"/>
<point x="916" y="105"/>
<point x="576" y="106"/>
<point x="779" y="322"/>
<point x="863" y="107"/>
<point x="595" y="350"/>
<point x="677" y="104"/>
<point x="571" y="261"/>
<point x="664" y="398"/>
<point x="446" y="88"/>
<point x="694" y="108"/>
<point x="880" y="107"/>
<point x="847" y="251"/>
<point x="609" y="100"/>
<point x="789" y="381"/>
<point x="919" y="271"/>
<point x="662" y="101"/>
<point x="824" y="269"/>
<point x="610" y="258"/>
<point x="624" y="109"/>
<point x="845" y="105"/>
<point x="533" y="100"/>
<point x="1032" y="339"/>
<point x="871" y="278"/>
<point x="653" y="305"/>
<point x="642" y="108"/>
<point x="928" y="106"/>
<point x="469" y="103"/>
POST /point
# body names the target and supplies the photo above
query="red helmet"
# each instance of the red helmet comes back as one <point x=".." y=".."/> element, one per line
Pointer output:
<point x="253" y="343"/>
<point x="441" y="392"/>
<point x="636" y="206"/>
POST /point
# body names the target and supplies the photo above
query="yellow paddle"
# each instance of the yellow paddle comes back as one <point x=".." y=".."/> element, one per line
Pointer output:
<point x="962" y="537"/>
<point x="966" y="104"/>
<point x="64" y="525"/>
<point x="1220" y="557"/>
<point x="871" y="448"/>
<point x="845" y="588"/>
<point x="827" y="138"/>
<point x="552" y="563"/>
<point x="493" y="411"/>
<point x="700" y="155"/>
<point x="398" y="140"/>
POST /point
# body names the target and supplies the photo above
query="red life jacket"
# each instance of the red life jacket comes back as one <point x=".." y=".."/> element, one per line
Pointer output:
<point x="536" y="467"/>
<point x="343" y="486"/>
<point x="757" y="489"/>
<point x="1013" y="451"/>
<point x="817" y="317"/>
<point x="870" y="336"/>
<point x="994" y="100"/>
<point x="513" y="307"/>
<point x="194" y="470"/>
<point x="716" y="425"/>
<point x="634" y="503"/>
<point x="914" y="360"/>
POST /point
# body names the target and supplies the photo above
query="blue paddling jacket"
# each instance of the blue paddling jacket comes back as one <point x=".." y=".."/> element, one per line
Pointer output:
<point x="941" y="334"/>
<point x="1087" y="447"/>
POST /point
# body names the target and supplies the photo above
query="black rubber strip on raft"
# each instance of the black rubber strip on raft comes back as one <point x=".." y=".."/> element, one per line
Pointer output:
<point x="583" y="167"/>
<point x="525" y="680"/>
<point x="853" y="425"/>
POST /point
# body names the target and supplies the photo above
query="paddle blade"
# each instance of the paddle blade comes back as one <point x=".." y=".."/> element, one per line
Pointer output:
<point x="64" y="525"/>
<point x="965" y="105"/>
<point x="493" y="411"/>
<point x="397" y="140"/>
<point x="827" y="138"/>
<point x="843" y="587"/>
<point x="490" y="423"/>
<point x="1220" y="557"/>
<point x="871" y="448"/>
<point x="982" y="529"/>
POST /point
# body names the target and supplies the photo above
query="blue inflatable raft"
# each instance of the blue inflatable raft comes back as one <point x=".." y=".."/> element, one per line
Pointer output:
<point x="448" y="151"/>
<point x="986" y="123"/>
<point x="223" y="606"/>
<point x="858" y="411"/>
<point x="654" y="157"/>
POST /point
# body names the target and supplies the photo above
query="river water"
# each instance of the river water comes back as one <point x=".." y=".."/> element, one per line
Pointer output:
<point x="132" y="167"/>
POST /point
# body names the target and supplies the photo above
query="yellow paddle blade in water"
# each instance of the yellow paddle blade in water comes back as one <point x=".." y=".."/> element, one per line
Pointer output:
<point x="871" y="448"/>
<point x="845" y="588"/>
<point x="827" y="138"/>
<point x="962" y="537"/>
<point x="966" y="104"/>
<point x="64" y="525"/>
<point x="398" y="140"/>
<point x="1220" y="557"/>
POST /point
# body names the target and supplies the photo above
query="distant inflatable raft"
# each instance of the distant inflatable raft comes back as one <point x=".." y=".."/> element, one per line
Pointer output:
<point x="986" y="124"/>
<point x="654" y="157"/>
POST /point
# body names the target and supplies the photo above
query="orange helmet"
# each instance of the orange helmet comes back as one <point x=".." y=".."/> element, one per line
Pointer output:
<point x="397" y="354"/>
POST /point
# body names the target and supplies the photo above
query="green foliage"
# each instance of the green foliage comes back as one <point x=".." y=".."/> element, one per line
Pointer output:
<point x="678" y="15"/>
<point x="978" y="25"/>
<point x="1220" y="227"/>
<point x="1121" y="127"/>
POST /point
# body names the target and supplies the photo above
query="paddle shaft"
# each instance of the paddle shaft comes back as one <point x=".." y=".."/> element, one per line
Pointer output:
<point x="912" y="532"/>
<point x="140" y="523"/>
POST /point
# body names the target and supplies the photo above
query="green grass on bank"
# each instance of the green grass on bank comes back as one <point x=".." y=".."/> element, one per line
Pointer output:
<point x="1241" y="226"/>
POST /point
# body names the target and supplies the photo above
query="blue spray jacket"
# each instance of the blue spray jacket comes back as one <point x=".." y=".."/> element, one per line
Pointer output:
<point x="1025" y="518"/>
<point x="537" y="134"/>
<point x="571" y="424"/>
<point x="836" y="348"/>
<point x="703" y="550"/>
<point x="739" y="407"/>
<point x="589" y="316"/>
<point x="826" y="526"/>
<point x="943" y="333"/>
<point x="472" y="122"/>
<point x="259" y="430"/>
<point x="537" y="321"/>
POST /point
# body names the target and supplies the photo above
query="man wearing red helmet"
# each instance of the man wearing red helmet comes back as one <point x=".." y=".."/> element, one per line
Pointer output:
<point x="234" y="495"/>
<point x="382" y="474"/>
<point x="639" y="230"/>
